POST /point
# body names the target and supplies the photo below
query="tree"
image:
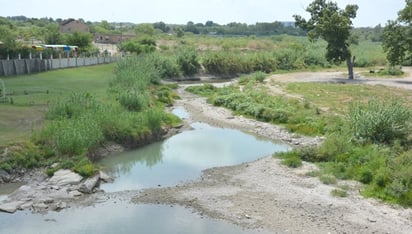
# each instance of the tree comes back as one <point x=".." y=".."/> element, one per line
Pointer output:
<point x="191" y="27"/>
<point x="139" y="45"/>
<point x="53" y="36"/>
<point x="162" y="26"/>
<point x="82" y="40"/>
<point x="144" y="29"/>
<point x="8" y="39"/>
<point x="106" y="25"/>
<point x="334" y="26"/>
<point x="179" y="32"/>
<point x="397" y="37"/>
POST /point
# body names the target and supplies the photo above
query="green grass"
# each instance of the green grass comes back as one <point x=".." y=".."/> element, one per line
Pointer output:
<point x="81" y="109"/>
<point x="32" y="94"/>
<point x="336" y="97"/>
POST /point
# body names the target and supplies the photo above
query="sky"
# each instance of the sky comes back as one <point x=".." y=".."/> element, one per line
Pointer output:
<point x="370" y="13"/>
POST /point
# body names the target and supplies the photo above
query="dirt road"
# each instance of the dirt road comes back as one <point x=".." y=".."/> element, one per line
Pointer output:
<point x="266" y="195"/>
<point x="341" y="77"/>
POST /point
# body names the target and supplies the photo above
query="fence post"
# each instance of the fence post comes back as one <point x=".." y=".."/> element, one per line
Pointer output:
<point x="15" y="66"/>
<point x="27" y="66"/>
<point x="4" y="68"/>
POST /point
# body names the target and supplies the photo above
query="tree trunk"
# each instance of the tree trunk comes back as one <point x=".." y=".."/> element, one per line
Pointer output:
<point x="350" y="62"/>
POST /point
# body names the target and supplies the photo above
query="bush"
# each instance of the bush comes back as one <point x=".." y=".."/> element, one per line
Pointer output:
<point x="134" y="100"/>
<point x="380" y="121"/>
<point x="293" y="162"/>
<point x="165" y="94"/>
<point x="222" y="63"/>
<point x="188" y="61"/>
<point x="288" y="59"/>
<point x="366" y="176"/>
<point x="328" y="179"/>
<point x="290" y="158"/>
<point x="391" y="71"/>
<point x="166" y="65"/>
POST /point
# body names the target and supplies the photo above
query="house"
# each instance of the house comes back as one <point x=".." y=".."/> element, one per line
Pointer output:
<point x="72" y="25"/>
<point x="112" y="38"/>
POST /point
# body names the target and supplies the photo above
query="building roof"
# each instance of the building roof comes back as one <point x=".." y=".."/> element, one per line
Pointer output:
<point x="67" y="21"/>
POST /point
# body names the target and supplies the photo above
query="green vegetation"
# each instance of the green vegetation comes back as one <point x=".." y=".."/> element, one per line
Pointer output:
<point x="252" y="100"/>
<point x="76" y="124"/>
<point x="397" y="38"/>
<point x="367" y="129"/>
<point x="32" y="94"/>
<point x="334" y="26"/>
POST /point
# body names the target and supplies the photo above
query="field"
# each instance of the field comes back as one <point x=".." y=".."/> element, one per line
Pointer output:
<point x="33" y="94"/>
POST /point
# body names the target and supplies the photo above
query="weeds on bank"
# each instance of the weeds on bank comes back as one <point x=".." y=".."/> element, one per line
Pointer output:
<point x="368" y="141"/>
<point x="253" y="101"/>
<point x="374" y="149"/>
<point x="77" y="125"/>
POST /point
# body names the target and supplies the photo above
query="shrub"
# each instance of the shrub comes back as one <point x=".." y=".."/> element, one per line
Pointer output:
<point x="166" y="65"/>
<point x="380" y="121"/>
<point x="292" y="162"/>
<point x="259" y="76"/>
<point x="328" y="179"/>
<point x="290" y="158"/>
<point x="366" y="176"/>
<point x="288" y="59"/>
<point x="188" y="61"/>
<point x="334" y="146"/>
<point x="134" y="100"/>
<point x="154" y="118"/>
<point x="222" y="63"/>
<point x="165" y="95"/>
<point x="309" y="153"/>
<point x="391" y="71"/>
<point x="135" y="73"/>
<point x="204" y="90"/>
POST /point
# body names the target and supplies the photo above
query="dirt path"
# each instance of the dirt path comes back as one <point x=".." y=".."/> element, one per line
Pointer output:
<point x="266" y="195"/>
<point x="340" y="77"/>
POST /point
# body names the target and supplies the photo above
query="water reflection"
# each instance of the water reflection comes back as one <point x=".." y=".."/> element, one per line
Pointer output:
<point x="116" y="217"/>
<point x="183" y="157"/>
<point x="181" y="112"/>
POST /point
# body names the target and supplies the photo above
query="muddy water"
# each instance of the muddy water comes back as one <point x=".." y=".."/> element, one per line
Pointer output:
<point x="178" y="159"/>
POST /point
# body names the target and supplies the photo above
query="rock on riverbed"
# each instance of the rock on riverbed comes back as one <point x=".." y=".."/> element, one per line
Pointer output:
<point x="53" y="193"/>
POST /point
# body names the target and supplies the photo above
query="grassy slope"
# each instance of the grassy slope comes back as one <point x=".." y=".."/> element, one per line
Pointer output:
<point x="32" y="94"/>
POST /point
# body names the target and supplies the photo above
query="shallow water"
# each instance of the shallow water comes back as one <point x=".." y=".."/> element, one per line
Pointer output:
<point x="116" y="217"/>
<point x="178" y="159"/>
<point x="183" y="157"/>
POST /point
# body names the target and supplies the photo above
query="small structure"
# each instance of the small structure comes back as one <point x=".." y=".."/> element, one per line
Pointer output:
<point x="111" y="38"/>
<point x="72" y="25"/>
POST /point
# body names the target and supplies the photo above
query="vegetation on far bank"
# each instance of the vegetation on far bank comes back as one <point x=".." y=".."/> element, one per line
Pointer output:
<point x="367" y="129"/>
